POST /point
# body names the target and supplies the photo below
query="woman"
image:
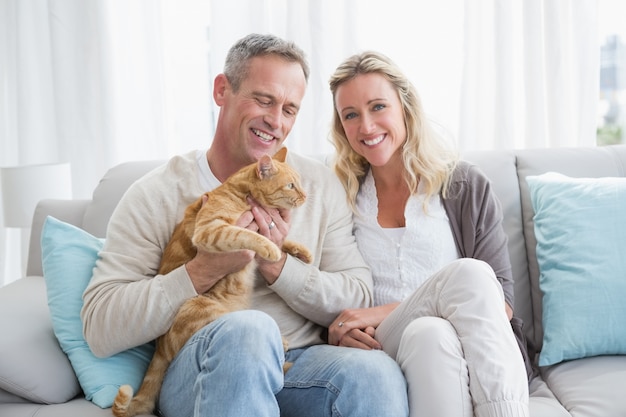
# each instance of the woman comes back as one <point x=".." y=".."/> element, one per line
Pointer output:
<point x="430" y="227"/>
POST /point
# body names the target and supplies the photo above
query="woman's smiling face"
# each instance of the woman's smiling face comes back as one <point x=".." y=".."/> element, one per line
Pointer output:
<point x="372" y="117"/>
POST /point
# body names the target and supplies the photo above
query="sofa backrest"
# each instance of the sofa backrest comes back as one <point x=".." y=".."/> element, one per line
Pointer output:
<point x="91" y="215"/>
<point x="507" y="171"/>
<point x="110" y="190"/>
<point x="500" y="168"/>
<point x="605" y="161"/>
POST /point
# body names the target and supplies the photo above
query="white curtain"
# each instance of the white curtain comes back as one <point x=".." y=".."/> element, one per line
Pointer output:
<point x="530" y="74"/>
<point x="81" y="83"/>
<point x="324" y="29"/>
<point x="99" y="82"/>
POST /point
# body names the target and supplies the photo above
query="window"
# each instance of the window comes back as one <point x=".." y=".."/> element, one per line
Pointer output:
<point x="612" y="105"/>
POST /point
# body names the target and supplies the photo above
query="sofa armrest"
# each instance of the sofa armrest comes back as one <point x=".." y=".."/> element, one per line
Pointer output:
<point x="32" y="364"/>
<point x="69" y="211"/>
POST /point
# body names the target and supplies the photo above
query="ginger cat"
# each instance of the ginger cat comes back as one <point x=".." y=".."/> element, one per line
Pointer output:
<point x="211" y="226"/>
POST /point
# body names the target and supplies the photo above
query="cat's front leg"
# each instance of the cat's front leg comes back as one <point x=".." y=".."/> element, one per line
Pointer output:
<point x="298" y="250"/>
<point x="216" y="236"/>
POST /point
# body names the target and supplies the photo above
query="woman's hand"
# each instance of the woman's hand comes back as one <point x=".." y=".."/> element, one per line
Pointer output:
<point x="361" y="338"/>
<point x="357" y="327"/>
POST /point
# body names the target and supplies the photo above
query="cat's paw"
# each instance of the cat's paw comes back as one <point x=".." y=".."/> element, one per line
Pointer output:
<point x="299" y="251"/>
<point x="305" y="256"/>
<point x="271" y="253"/>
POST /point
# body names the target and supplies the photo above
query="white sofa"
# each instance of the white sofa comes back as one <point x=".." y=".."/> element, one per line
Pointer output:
<point x="34" y="371"/>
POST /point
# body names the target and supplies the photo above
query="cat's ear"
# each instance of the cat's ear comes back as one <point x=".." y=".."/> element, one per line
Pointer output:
<point x="281" y="154"/>
<point x="265" y="167"/>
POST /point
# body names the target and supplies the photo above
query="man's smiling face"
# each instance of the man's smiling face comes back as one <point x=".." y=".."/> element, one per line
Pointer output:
<point x="264" y="109"/>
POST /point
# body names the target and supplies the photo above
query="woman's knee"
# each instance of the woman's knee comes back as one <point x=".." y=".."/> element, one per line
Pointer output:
<point x="429" y="334"/>
<point x="473" y="267"/>
<point x="473" y="274"/>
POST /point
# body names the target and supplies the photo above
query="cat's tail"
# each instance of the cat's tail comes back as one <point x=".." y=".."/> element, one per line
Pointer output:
<point x="125" y="406"/>
<point x="122" y="401"/>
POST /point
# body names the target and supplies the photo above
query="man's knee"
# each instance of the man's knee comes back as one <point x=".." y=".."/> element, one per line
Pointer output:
<point x="242" y="331"/>
<point x="247" y="322"/>
<point x="378" y="375"/>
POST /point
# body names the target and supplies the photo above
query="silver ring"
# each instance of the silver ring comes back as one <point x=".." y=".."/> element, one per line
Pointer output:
<point x="272" y="224"/>
<point x="340" y="324"/>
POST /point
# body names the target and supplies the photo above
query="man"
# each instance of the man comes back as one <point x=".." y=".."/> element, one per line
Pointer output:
<point x="233" y="366"/>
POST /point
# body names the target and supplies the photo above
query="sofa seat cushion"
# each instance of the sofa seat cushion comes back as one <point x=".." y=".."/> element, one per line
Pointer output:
<point x="543" y="403"/>
<point x="32" y="364"/>
<point x="7" y="397"/>
<point x="591" y="386"/>
<point x="78" y="407"/>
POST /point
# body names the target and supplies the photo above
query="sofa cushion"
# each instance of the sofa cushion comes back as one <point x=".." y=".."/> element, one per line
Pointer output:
<point x="77" y="407"/>
<point x="32" y="365"/>
<point x="594" y="162"/>
<point x="581" y="252"/>
<point x="7" y="397"/>
<point x="590" y="386"/>
<point x="69" y="255"/>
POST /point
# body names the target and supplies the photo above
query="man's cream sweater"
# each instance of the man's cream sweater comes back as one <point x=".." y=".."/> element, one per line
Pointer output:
<point x="127" y="304"/>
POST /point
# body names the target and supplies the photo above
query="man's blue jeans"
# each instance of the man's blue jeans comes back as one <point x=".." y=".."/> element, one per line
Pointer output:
<point x="233" y="367"/>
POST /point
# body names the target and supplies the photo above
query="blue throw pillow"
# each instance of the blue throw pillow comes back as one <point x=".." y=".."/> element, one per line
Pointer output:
<point x="69" y="255"/>
<point x="580" y="226"/>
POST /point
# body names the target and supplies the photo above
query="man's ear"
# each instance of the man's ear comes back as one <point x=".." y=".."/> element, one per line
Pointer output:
<point x="220" y="86"/>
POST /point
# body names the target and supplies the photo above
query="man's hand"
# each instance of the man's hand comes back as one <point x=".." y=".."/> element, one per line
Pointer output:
<point x="207" y="268"/>
<point x="274" y="224"/>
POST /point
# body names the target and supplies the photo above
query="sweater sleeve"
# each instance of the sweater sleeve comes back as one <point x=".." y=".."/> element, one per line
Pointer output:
<point x="476" y="218"/>
<point x="124" y="286"/>
<point x="338" y="278"/>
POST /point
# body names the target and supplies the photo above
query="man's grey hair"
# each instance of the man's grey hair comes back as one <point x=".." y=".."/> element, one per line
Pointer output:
<point x="253" y="45"/>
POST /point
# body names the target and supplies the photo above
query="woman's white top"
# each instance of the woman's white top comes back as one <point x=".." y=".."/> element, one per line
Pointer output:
<point x="401" y="259"/>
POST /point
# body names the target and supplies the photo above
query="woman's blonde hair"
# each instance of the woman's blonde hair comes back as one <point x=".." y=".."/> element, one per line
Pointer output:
<point x="425" y="154"/>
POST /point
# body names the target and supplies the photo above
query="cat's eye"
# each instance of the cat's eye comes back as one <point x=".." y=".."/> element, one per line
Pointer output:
<point x="290" y="186"/>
